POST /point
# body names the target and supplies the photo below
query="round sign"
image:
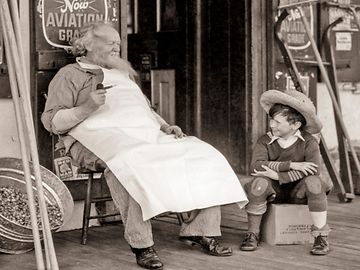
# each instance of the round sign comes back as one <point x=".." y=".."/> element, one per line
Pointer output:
<point x="61" y="19"/>
<point x="293" y="30"/>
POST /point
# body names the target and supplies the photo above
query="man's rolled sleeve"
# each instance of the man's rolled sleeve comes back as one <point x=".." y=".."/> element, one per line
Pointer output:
<point x="60" y="96"/>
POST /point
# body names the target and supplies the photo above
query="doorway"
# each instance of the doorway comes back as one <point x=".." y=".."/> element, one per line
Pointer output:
<point x="162" y="36"/>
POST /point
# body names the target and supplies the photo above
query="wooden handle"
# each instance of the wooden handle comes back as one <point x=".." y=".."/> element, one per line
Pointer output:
<point x="331" y="92"/>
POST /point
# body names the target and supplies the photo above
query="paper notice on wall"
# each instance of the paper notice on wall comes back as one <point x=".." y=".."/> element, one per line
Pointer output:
<point x="343" y="41"/>
<point x="304" y="79"/>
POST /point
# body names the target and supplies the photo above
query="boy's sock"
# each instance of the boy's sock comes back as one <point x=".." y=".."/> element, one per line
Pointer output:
<point x="319" y="219"/>
<point x="254" y="222"/>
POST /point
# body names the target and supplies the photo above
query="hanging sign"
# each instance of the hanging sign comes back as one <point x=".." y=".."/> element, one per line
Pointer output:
<point x="61" y="19"/>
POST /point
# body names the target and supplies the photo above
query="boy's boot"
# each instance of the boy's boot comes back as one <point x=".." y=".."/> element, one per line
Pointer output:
<point x="147" y="258"/>
<point x="251" y="240"/>
<point x="321" y="244"/>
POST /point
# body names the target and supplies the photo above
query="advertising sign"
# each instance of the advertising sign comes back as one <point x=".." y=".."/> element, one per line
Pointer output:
<point x="293" y="30"/>
<point x="61" y="19"/>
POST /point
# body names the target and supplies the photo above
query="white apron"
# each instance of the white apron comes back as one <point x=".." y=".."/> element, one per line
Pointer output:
<point x="160" y="172"/>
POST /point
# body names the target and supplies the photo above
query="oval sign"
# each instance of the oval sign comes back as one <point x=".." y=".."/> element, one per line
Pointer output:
<point x="293" y="30"/>
<point x="61" y="19"/>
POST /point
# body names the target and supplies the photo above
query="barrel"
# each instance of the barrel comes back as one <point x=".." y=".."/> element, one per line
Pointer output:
<point x="14" y="237"/>
<point x="15" y="243"/>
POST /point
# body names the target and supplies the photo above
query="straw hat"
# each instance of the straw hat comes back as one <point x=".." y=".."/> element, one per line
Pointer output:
<point x="296" y="100"/>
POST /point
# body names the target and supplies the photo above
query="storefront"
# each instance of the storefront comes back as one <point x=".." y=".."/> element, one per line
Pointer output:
<point x="203" y="63"/>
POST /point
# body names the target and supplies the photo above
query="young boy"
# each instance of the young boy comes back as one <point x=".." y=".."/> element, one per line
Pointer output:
<point x="285" y="165"/>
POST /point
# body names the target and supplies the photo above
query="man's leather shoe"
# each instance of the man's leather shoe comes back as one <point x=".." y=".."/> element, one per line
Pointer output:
<point x="147" y="258"/>
<point x="250" y="242"/>
<point x="209" y="244"/>
<point x="321" y="246"/>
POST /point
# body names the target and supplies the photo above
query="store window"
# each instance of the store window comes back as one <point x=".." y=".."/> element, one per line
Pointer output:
<point x="132" y="7"/>
<point x="146" y="16"/>
<point x="167" y="15"/>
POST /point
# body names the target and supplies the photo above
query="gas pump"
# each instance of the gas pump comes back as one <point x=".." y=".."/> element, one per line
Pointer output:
<point x="341" y="46"/>
<point x="345" y="37"/>
<point x="291" y="10"/>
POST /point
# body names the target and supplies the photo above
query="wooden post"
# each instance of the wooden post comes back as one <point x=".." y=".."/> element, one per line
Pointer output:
<point x="198" y="67"/>
<point x="123" y="29"/>
<point x="24" y="151"/>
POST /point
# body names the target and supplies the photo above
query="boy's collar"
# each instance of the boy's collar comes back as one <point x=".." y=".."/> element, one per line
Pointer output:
<point x="274" y="138"/>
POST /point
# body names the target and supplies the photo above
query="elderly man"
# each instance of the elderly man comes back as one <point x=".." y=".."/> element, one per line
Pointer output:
<point x="150" y="166"/>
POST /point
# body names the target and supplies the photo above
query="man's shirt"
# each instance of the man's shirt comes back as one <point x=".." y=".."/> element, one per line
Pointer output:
<point x="70" y="88"/>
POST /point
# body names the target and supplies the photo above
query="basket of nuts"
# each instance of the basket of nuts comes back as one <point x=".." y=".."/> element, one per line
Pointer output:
<point x="15" y="223"/>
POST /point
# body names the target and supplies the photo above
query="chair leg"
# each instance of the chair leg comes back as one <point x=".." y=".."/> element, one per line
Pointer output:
<point x="87" y="208"/>
<point x="180" y="218"/>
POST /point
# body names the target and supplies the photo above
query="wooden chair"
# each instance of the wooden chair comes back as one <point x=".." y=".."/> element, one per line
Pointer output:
<point x="87" y="204"/>
<point x="89" y="200"/>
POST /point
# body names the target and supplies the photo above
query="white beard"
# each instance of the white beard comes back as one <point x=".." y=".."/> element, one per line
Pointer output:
<point x="113" y="62"/>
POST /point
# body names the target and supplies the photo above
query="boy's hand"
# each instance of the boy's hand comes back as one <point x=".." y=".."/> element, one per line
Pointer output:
<point x="268" y="173"/>
<point x="308" y="168"/>
<point x="173" y="130"/>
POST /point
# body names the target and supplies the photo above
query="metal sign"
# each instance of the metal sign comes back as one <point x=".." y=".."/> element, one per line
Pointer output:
<point x="293" y="31"/>
<point x="61" y="19"/>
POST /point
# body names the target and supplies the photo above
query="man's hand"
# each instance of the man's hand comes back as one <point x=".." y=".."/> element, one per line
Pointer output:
<point x="308" y="168"/>
<point x="95" y="99"/>
<point x="268" y="173"/>
<point x="172" y="130"/>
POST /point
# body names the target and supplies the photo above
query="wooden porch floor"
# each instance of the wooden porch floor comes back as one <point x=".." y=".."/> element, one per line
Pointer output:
<point x="106" y="248"/>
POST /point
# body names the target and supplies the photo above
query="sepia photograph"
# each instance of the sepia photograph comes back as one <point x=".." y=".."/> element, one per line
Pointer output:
<point x="179" y="134"/>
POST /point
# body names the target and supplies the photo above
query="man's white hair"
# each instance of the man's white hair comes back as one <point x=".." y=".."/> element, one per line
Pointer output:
<point x="86" y="35"/>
